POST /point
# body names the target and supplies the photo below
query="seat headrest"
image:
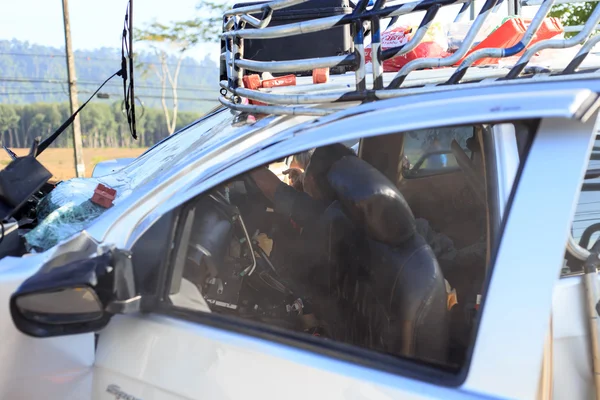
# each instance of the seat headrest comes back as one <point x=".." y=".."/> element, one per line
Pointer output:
<point x="372" y="201"/>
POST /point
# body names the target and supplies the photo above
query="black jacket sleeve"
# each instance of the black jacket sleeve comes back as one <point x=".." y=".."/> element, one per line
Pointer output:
<point x="298" y="206"/>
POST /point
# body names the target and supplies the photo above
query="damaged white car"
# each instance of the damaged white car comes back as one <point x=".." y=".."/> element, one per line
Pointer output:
<point x="384" y="236"/>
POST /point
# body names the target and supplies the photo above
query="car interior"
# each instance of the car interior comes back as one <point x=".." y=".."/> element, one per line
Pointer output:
<point x="395" y="264"/>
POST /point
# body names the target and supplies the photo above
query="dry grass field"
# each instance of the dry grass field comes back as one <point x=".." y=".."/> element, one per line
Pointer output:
<point x="61" y="164"/>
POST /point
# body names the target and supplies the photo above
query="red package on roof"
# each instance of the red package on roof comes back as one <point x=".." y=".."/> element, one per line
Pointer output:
<point x="432" y="45"/>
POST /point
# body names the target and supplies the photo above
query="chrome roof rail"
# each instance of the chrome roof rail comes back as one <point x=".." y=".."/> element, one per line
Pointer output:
<point x="302" y="101"/>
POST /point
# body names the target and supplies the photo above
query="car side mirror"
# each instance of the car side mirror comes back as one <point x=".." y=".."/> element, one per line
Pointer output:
<point x="78" y="297"/>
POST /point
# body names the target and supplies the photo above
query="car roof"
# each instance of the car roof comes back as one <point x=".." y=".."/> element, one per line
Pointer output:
<point x="292" y="134"/>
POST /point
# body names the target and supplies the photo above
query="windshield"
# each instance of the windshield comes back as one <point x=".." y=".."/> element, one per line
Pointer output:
<point x="68" y="209"/>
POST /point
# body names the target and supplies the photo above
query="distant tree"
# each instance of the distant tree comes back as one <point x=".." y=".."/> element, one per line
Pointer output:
<point x="573" y="14"/>
<point x="9" y="121"/>
<point x="209" y="25"/>
<point x="178" y="38"/>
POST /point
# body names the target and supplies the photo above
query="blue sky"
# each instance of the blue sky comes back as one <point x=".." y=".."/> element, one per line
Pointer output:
<point x="94" y="24"/>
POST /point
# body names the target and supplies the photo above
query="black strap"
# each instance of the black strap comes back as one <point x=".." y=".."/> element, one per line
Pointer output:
<point x="48" y="141"/>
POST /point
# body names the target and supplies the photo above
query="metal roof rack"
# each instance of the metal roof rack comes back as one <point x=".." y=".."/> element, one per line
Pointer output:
<point x="310" y="99"/>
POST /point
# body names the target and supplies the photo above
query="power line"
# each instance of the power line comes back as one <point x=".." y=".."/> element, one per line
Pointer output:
<point x="141" y="95"/>
<point x="62" y="82"/>
<point x="116" y="60"/>
<point x="149" y="96"/>
<point x="30" y="93"/>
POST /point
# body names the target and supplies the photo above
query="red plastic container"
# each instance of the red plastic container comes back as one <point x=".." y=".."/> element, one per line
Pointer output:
<point x="320" y="75"/>
<point x="252" y="82"/>
<point x="104" y="196"/>
<point x="511" y="32"/>
<point x="287" y="80"/>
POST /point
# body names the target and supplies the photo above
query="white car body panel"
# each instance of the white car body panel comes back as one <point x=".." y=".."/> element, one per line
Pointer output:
<point x="56" y="368"/>
<point x="152" y="356"/>
<point x="571" y="341"/>
<point x="136" y="353"/>
<point x="512" y="303"/>
<point x="110" y="166"/>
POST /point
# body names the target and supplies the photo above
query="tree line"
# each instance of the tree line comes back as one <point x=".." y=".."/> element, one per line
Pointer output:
<point x="102" y="125"/>
<point x="31" y="73"/>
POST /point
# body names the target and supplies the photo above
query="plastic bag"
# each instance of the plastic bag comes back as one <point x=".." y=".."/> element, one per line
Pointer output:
<point x="434" y="44"/>
<point x="456" y="31"/>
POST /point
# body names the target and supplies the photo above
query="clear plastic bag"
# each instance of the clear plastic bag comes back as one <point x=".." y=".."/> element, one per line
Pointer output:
<point x="456" y="31"/>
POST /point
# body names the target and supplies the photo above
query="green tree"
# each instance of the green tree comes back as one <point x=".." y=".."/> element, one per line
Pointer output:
<point x="209" y="25"/>
<point x="178" y="37"/>
<point x="572" y="14"/>
<point x="9" y="120"/>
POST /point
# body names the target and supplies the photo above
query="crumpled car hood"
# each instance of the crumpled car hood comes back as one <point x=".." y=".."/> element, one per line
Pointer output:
<point x="68" y="209"/>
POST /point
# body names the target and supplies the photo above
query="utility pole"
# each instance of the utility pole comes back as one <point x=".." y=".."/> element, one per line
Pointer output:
<point x="77" y="143"/>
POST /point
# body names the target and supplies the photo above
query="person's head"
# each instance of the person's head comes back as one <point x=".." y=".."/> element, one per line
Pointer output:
<point x="315" y="176"/>
<point x="301" y="160"/>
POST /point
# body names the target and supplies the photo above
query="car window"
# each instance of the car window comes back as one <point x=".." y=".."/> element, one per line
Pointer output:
<point x="588" y="206"/>
<point x="429" y="151"/>
<point x="305" y="253"/>
<point x="586" y="228"/>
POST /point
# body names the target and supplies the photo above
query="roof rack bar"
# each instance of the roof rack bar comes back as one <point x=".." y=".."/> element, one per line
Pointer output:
<point x="370" y="95"/>
<point x="556" y="44"/>
<point x="361" y="6"/>
<point x="359" y="48"/>
<point x="306" y="64"/>
<point x="442" y="62"/>
<point x="582" y="54"/>
<point x="297" y="28"/>
<point x="417" y="37"/>
<point x="577" y="28"/>
<point x="238" y="51"/>
<point x="258" y="23"/>
<point x="228" y="24"/>
<point x="321" y="24"/>
<point x="275" y="110"/>
<point x="376" y="60"/>
<point x="576" y="250"/>
<point x="283" y="101"/>
<point x="526" y="3"/>
<point x="463" y="11"/>
<point x="229" y="60"/>
<point x="504" y="52"/>
<point x="255" y="8"/>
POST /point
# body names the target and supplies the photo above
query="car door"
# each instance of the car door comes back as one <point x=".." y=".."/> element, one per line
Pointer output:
<point x="185" y="350"/>
<point x="56" y="368"/>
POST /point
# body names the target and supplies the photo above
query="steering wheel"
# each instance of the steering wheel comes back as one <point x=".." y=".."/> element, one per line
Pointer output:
<point x="253" y="191"/>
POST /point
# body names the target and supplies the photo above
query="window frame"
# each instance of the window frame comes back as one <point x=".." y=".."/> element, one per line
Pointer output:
<point x="409" y="368"/>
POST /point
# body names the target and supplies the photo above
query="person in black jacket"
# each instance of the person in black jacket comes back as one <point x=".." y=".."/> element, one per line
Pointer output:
<point x="303" y="206"/>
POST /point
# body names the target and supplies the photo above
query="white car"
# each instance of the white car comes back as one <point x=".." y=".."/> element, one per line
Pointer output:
<point x="440" y="261"/>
